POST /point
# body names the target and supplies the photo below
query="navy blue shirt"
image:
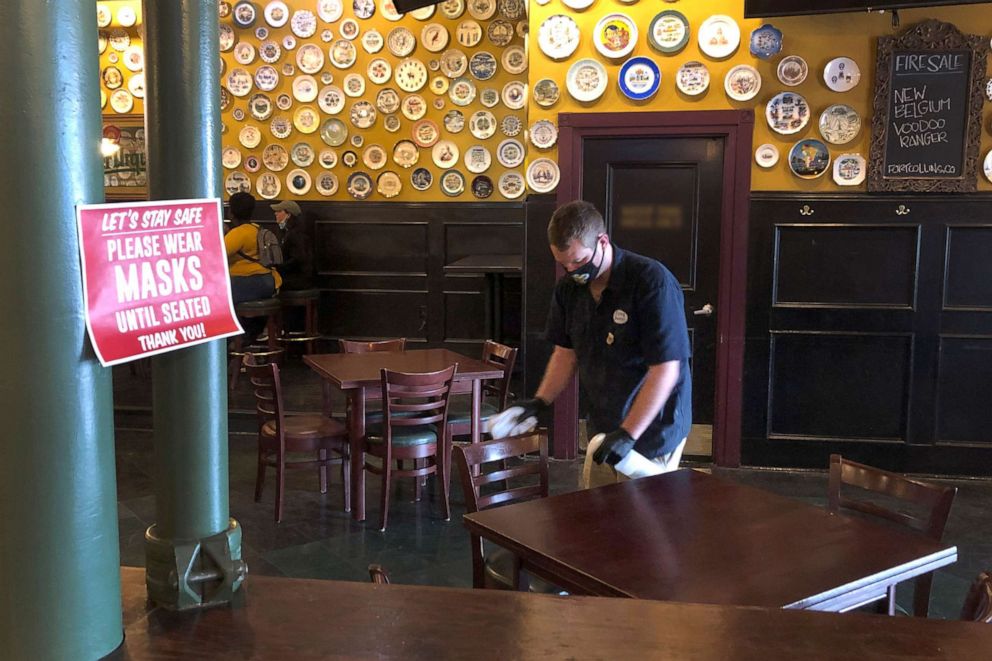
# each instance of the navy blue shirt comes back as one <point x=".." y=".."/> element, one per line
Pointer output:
<point x="639" y="322"/>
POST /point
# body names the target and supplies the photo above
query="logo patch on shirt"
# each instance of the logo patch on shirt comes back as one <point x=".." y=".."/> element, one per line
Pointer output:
<point x="620" y="317"/>
<point x="609" y="338"/>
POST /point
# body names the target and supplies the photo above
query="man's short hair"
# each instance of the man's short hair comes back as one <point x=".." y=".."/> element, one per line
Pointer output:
<point x="576" y="220"/>
<point x="242" y="206"/>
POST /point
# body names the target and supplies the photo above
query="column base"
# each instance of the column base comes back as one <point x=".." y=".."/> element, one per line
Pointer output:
<point x="183" y="574"/>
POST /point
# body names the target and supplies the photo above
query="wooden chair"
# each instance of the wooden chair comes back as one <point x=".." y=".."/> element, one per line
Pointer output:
<point x="353" y="346"/>
<point x="280" y="434"/>
<point x="500" y="568"/>
<point x="978" y="603"/>
<point x="415" y="412"/>
<point x="494" y="391"/>
<point x="933" y="499"/>
<point x="378" y="575"/>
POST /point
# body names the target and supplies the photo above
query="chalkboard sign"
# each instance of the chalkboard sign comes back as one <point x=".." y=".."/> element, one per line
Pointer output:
<point x="926" y="126"/>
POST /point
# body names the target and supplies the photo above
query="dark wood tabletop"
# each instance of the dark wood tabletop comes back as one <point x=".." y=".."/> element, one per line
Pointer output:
<point x="691" y="537"/>
<point x="487" y="264"/>
<point x="361" y="370"/>
<point x="307" y="619"/>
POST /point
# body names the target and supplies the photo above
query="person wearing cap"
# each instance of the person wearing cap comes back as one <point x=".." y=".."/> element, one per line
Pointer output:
<point x="296" y="269"/>
<point x="250" y="281"/>
<point x="617" y="319"/>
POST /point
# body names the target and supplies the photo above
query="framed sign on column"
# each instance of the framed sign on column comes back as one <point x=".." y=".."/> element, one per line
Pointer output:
<point x="125" y="174"/>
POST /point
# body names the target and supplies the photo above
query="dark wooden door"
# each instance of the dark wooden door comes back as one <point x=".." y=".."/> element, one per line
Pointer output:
<point x="662" y="197"/>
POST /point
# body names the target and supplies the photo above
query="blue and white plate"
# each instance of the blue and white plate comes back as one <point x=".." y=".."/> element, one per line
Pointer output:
<point x="766" y="41"/>
<point x="639" y="78"/>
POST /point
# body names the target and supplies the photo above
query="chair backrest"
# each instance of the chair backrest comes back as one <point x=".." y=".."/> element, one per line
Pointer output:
<point x="978" y="603"/>
<point x="354" y="346"/>
<point x="411" y="400"/>
<point x="503" y="357"/>
<point x="935" y="500"/>
<point x="267" y="388"/>
<point x="378" y="575"/>
<point x="470" y="460"/>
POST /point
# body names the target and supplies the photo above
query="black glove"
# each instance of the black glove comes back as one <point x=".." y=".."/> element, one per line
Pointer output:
<point x="614" y="447"/>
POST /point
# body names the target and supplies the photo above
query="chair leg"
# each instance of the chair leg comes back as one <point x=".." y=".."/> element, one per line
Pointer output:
<point x="418" y="484"/>
<point x="322" y="471"/>
<point x="441" y="464"/>
<point x="921" y="595"/>
<point x="280" y="486"/>
<point x="346" y="477"/>
<point x="260" y="476"/>
<point x="387" y="470"/>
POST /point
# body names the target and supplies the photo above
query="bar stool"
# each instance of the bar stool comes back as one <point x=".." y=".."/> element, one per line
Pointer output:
<point x="271" y="309"/>
<point x="308" y="299"/>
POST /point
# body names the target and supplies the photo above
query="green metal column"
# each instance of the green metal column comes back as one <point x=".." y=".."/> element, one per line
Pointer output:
<point x="193" y="551"/>
<point x="60" y="589"/>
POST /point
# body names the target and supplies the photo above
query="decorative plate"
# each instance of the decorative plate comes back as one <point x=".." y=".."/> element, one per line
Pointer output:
<point x="987" y="166"/>
<point x="482" y="124"/>
<point x="543" y="175"/>
<point x="329" y="10"/>
<point x="988" y="89"/>
<point x="343" y="53"/>
<point x="543" y="134"/>
<point x="374" y="157"/>
<point x="298" y="182"/>
<point x="101" y="40"/>
<point x="452" y="183"/>
<point x="577" y="4"/>
<point x="413" y="107"/>
<point x="639" y="78"/>
<point x="136" y="85"/>
<point x="288" y="69"/>
<point x="326" y="184"/>
<point x="482" y="186"/>
<point x="424" y="13"/>
<point x="268" y="185"/>
<point x="849" y="169"/>
<point x="792" y="70"/>
<point x="333" y="132"/>
<point x="766" y="41"/>
<point x="289" y="42"/>
<point x="354" y="84"/>
<point x="511" y="185"/>
<point x="261" y="32"/>
<point x="719" y="37"/>
<point x="444" y="153"/>
<point x="373" y="41"/>
<point x="482" y="66"/>
<point x="304" y="88"/>
<point x="260" y="107"/>
<point x="134" y="57"/>
<point x="405" y="154"/>
<point x="239" y="82"/>
<point x="839" y="124"/>
<point x="388" y="184"/>
<point x="284" y="102"/>
<point x="349" y="158"/>
<point x="809" y="159"/>
<point x="514" y="60"/>
<point x="388" y="10"/>
<point x="237" y="182"/>
<point x="253" y="164"/>
<point x="275" y="157"/>
<point x="500" y="32"/>
<point x="462" y="91"/>
<point x="439" y="85"/>
<point x="244" y="14"/>
<point x="510" y="126"/>
<point x="586" y="80"/>
<point x="425" y="133"/>
<point x="276" y="13"/>
<point x="669" y="31"/>
<point x="225" y="99"/>
<point x="280" y="127"/>
<point x="482" y="9"/>
<point x="330" y="99"/>
<point x="411" y="75"/>
<point x="119" y="39"/>
<point x="510" y="153"/>
<point x="434" y="37"/>
<point x="615" y="35"/>
<point x="454" y="121"/>
<point x="546" y="92"/>
<point x="391" y="123"/>
<point x="103" y="15"/>
<point x="266" y="78"/>
<point x="310" y="58"/>
<point x="421" y="179"/>
<point x="514" y="94"/>
<point x="477" y="159"/>
<point x="306" y="119"/>
<point x="379" y="71"/>
<point x="766" y="155"/>
<point x="469" y="33"/>
<point x="489" y="97"/>
<point x="359" y="183"/>
<point x="328" y="158"/>
<point x="362" y="114"/>
<point x="512" y="9"/>
<point x="269" y="51"/>
<point x="841" y="74"/>
<point x="438" y="103"/>
<point x="363" y="8"/>
<point x="224" y="9"/>
<point x="387" y="100"/>
<point x="453" y="63"/>
<point x="349" y="29"/>
<point x="558" y="36"/>
<point x="302" y="154"/>
<point x="742" y="82"/>
<point x="787" y="113"/>
<point x="452" y="8"/>
<point x="121" y="101"/>
<point x="238" y="114"/>
<point x="357" y="140"/>
<point x="126" y="16"/>
<point x="400" y="42"/>
<point x="692" y="78"/>
<point x="113" y="78"/>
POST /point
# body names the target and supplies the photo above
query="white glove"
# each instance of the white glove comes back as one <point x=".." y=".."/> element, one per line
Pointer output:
<point x="518" y="419"/>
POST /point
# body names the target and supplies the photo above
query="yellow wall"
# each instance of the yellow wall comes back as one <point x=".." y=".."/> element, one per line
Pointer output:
<point x="817" y="39"/>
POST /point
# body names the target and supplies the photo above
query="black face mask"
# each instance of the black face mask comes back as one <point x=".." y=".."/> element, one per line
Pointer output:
<point x="588" y="271"/>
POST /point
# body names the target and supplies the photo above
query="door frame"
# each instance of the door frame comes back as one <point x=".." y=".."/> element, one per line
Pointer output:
<point x="736" y="127"/>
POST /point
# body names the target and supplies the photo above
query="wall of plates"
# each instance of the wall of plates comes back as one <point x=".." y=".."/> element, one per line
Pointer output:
<point x="809" y="79"/>
<point x="122" y="58"/>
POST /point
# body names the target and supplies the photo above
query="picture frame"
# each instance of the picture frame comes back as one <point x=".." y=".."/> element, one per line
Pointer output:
<point x="125" y="170"/>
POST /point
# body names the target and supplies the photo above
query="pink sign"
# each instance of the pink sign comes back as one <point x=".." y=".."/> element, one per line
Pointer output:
<point x="155" y="277"/>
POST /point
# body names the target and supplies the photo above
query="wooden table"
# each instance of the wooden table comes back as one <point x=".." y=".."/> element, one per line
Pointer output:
<point x="494" y="267"/>
<point x="364" y="621"/>
<point x="358" y="375"/>
<point x="687" y="536"/>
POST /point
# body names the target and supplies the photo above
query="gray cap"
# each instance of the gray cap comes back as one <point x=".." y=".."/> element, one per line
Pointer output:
<point x="287" y="205"/>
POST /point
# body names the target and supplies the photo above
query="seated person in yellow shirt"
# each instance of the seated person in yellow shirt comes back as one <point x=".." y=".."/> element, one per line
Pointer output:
<point x="250" y="281"/>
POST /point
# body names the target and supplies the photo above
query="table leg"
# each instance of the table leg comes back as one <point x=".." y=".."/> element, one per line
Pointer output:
<point x="476" y="423"/>
<point x="356" y="438"/>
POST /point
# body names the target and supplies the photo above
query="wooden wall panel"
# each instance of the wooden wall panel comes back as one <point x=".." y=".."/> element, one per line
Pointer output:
<point x="968" y="276"/>
<point x="964" y="381"/>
